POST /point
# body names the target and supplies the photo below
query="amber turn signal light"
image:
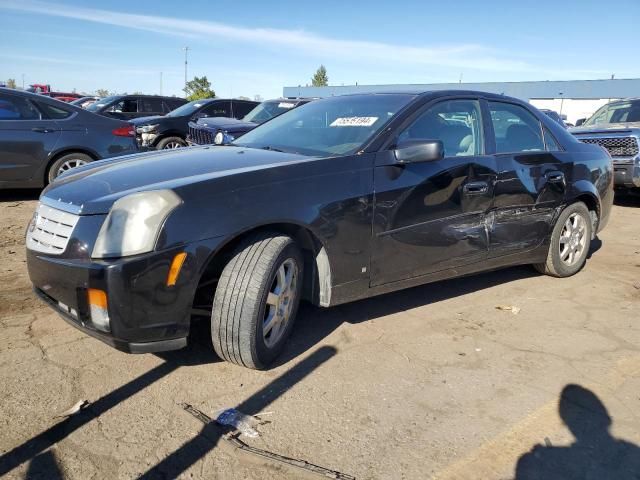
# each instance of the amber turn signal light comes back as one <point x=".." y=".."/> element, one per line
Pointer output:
<point x="174" y="270"/>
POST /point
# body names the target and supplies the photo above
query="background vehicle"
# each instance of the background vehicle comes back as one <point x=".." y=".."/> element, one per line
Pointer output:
<point x="44" y="89"/>
<point x="337" y="200"/>
<point x="554" y="115"/>
<point x="41" y="137"/>
<point x="127" y="107"/>
<point x="616" y="127"/>
<point x="84" y="102"/>
<point x="170" y="131"/>
<point x="217" y="131"/>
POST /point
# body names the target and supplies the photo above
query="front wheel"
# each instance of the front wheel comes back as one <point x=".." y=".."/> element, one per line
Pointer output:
<point x="256" y="300"/>
<point x="570" y="242"/>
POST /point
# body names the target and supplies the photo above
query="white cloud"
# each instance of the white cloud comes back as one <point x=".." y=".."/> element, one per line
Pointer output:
<point x="465" y="56"/>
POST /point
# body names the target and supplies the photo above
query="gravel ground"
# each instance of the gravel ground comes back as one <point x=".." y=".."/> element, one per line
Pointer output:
<point x="431" y="382"/>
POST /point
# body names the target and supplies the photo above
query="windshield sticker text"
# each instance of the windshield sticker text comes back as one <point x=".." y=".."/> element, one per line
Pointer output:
<point x="353" y="122"/>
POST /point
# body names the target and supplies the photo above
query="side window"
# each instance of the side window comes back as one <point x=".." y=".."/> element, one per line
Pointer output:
<point x="516" y="129"/>
<point x="457" y="123"/>
<point x="550" y="141"/>
<point x="128" y="105"/>
<point x="240" y="109"/>
<point x="55" y="113"/>
<point x="151" y="105"/>
<point x="17" y="108"/>
<point x="218" y="109"/>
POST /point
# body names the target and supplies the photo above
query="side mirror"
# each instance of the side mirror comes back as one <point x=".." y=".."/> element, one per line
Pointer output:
<point x="580" y="121"/>
<point x="413" y="151"/>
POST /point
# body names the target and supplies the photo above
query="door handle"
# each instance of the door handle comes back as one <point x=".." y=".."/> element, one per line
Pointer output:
<point x="555" y="177"/>
<point x="42" y="130"/>
<point x="476" y="188"/>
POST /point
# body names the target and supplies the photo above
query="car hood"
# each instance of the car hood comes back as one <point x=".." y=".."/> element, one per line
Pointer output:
<point x="606" y="128"/>
<point x="223" y="123"/>
<point x="146" y="120"/>
<point x="92" y="189"/>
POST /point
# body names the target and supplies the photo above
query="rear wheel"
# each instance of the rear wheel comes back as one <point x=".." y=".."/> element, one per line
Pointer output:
<point x="171" y="142"/>
<point x="570" y="242"/>
<point x="66" y="163"/>
<point x="256" y="300"/>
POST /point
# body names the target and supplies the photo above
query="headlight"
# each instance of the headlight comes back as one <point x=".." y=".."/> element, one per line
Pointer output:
<point x="147" y="128"/>
<point x="219" y="138"/>
<point x="133" y="223"/>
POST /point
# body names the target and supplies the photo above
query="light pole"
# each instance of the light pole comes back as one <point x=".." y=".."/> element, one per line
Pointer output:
<point x="186" y="53"/>
<point x="561" y="103"/>
<point x="160" y="83"/>
<point x="23" y="81"/>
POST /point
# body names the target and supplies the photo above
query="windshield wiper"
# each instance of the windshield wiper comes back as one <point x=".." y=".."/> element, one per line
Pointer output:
<point x="273" y="149"/>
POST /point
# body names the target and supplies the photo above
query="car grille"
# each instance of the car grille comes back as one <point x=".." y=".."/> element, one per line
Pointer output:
<point x="50" y="230"/>
<point x="200" y="136"/>
<point x="617" y="146"/>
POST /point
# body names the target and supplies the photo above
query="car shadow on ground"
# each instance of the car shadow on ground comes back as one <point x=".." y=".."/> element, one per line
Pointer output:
<point x="627" y="200"/>
<point x="593" y="454"/>
<point x="20" y="195"/>
<point x="313" y="324"/>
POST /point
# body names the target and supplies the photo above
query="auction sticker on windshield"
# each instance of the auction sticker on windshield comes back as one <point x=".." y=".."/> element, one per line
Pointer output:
<point x="353" y="122"/>
<point x="286" y="105"/>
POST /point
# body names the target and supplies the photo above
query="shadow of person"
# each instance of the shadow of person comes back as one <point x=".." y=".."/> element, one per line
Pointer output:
<point x="595" y="454"/>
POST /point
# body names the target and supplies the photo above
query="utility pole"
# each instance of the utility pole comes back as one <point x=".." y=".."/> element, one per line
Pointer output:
<point x="186" y="52"/>
<point x="23" y="81"/>
<point x="160" y="83"/>
<point x="561" y="103"/>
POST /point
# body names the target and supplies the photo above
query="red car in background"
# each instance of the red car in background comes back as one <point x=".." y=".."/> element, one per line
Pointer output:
<point x="43" y="89"/>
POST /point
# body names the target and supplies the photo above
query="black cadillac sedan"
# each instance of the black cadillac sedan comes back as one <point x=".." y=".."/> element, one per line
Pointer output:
<point x="334" y="201"/>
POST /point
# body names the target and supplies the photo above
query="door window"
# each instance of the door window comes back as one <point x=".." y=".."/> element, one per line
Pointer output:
<point x="17" y="108"/>
<point x="129" y="105"/>
<point x="218" y="109"/>
<point x="240" y="109"/>
<point x="457" y="123"/>
<point x="151" y="105"/>
<point x="515" y="128"/>
<point x="52" y="112"/>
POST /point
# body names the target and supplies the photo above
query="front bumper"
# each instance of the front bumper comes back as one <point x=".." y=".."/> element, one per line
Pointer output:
<point x="627" y="173"/>
<point x="145" y="315"/>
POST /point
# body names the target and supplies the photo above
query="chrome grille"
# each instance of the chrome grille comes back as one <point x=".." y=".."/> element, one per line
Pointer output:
<point x="50" y="230"/>
<point x="200" y="136"/>
<point x="617" y="146"/>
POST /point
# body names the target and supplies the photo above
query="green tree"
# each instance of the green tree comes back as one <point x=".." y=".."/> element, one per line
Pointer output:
<point x="199" y="88"/>
<point x="102" y="92"/>
<point x="320" y="79"/>
<point x="11" y="83"/>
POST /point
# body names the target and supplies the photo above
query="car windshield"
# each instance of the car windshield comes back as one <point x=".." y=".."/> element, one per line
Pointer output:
<point x="94" y="107"/>
<point x="267" y="110"/>
<point x="618" y="112"/>
<point x="329" y="127"/>
<point x="187" y="109"/>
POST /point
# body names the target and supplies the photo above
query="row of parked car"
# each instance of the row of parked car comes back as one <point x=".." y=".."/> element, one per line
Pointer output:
<point x="41" y="137"/>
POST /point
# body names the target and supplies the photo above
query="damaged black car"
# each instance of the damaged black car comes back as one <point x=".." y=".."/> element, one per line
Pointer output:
<point x="334" y="201"/>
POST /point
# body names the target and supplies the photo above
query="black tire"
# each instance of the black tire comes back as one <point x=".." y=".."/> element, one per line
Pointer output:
<point x="168" y="142"/>
<point x="56" y="167"/>
<point x="555" y="265"/>
<point x="240" y="302"/>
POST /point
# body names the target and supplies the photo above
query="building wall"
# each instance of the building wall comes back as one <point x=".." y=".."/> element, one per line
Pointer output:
<point x="572" y="108"/>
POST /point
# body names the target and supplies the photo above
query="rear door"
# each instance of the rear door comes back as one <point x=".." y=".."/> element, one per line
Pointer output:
<point x="240" y="109"/>
<point x="26" y="138"/>
<point x="430" y="216"/>
<point x="150" y="106"/>
<point x="220" y="108"/>
<point x="531" y="181"/>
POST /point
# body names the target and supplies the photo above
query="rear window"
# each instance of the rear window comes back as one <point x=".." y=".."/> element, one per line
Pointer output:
<point x="55" y="113"/>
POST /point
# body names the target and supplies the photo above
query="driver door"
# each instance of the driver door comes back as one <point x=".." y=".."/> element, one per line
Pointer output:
<point x="430" y="216"/>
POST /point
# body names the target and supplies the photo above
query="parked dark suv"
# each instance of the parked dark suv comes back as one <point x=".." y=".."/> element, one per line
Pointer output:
<point x="41" y="137"/>
<point x="616" y="127"/>
<point x="334" y="201"/>
<point x="170" y="131"/>
<point x="127" y="107"/>
<point x="218" y="131"/>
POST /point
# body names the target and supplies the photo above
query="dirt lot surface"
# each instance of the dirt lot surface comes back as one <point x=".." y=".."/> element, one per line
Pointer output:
<point x="432" y="382"/>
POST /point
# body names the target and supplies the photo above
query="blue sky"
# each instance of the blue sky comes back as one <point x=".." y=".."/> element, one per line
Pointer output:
<point x="257" y="47"/>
